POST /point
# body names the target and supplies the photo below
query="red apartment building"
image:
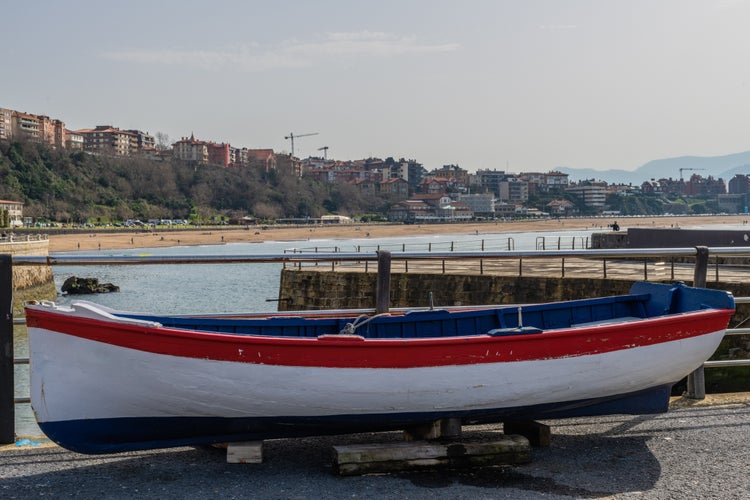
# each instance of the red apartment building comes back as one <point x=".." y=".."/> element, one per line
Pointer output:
<point x="37" y="128"/>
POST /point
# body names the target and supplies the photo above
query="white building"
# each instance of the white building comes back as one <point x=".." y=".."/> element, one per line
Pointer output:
<point x="15" y="212"/>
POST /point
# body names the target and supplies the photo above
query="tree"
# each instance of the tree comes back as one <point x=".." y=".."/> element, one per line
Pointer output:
<point x="162" y="141"/>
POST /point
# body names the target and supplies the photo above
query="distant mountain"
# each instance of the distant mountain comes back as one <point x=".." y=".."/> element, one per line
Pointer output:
<point x="723" y="167"/>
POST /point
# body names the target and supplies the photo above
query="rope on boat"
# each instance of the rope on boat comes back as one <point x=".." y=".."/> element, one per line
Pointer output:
<point x="351" y="328"/>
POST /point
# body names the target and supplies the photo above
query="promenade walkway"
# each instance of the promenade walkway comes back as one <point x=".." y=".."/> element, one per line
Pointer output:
<point x="627" y="269"/>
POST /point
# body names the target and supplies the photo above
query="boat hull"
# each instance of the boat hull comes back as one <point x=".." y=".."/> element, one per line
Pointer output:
<point x="149" y="398"/>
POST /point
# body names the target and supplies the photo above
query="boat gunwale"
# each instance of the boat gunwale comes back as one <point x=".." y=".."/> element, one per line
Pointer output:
<point x="410" y="352"/>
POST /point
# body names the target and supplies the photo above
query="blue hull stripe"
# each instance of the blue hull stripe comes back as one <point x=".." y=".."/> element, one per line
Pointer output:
<point x="129" y="434"/>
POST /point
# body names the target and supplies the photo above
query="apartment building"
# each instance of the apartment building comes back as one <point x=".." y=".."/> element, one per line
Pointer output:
<point x="190" y="149"/>
<point x="490" y="180"/>
<point x="265" y="159"/>
<point x="545" y="182"/>
<point x="5" y="124"/>
<point x="459" y="177"/>
<point x="593" y="194"/>
<point x="16" y="125"/>
<point x="513" y="190"/>
<point x="73" y="140"/>
<point x="144" y="140"/>
<point x="479" y="204"/>
<point x="398" y="188"/>
<point x="109" y="140"/>
<point x="218" y="154"/>
<point x="739" y="184"/>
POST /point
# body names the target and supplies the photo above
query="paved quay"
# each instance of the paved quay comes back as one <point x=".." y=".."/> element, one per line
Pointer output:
<point x="697" y="450"/>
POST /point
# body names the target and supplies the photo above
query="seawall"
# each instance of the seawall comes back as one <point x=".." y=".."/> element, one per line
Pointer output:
<point x="25" y="277"/>
<point x="642" y="237"/>
<point x="314" y="289"/>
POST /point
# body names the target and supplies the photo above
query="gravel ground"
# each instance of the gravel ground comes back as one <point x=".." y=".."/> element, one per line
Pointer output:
<point x="691" y="452"/>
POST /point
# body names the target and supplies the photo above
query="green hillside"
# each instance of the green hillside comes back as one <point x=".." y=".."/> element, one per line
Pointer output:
<point x="80" y="187"/>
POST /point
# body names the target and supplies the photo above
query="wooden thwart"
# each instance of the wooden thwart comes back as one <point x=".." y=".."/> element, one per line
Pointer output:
<point x="350" y="460"/>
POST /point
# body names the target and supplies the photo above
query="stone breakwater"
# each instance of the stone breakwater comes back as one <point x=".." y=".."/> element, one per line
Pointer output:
<point x="28" y="276"/>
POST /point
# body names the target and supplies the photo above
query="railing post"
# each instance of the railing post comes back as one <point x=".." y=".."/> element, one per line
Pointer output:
<point x="383" y="283"/>
<point x="671" y="267"/>
<point x="701" y="267"/>
<point x="696" y="381"/>
<point x="7" y="384"/>
<point x="717" y="268"/>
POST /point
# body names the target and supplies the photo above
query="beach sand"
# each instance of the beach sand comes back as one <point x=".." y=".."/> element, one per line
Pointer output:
<point x="109" y="240"/>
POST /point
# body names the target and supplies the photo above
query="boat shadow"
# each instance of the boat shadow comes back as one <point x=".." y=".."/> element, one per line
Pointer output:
<point x="588" y="458"/>
<point x="578" y="465"/>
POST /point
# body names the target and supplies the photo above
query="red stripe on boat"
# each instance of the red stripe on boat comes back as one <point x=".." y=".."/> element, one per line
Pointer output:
<point x="387" y="353"/>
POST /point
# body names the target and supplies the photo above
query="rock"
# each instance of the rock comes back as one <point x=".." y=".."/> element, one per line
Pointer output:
<point x="76" y="285"/>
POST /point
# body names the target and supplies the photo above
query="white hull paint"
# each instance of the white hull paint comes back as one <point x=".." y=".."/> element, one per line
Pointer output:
<point x="131" y="383"/>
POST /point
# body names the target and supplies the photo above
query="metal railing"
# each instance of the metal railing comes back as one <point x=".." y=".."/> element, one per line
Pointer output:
<point x="696" y="382"/>
<point x="482" y="245"/>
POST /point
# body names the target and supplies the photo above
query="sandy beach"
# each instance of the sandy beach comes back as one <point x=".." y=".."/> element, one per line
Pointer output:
<point x="138" y="238"/>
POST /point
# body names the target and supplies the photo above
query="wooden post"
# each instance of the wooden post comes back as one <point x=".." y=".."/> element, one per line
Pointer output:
<point x="701" y="267"/>
<point x="7" y="384"/>
<point x="696" y="381"/>
<point x="250" y="452"/>
<point x="537" y="433"/>
<point x="383" y="283"/>
<point x="437" y="429"/>
<point x="369" y="458"/>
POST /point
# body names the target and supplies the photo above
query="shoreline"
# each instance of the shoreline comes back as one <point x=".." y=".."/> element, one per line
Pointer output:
<point x="111" y="240"/>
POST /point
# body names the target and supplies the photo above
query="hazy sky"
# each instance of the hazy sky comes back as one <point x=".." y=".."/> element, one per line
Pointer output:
<point x="514" y="85"/>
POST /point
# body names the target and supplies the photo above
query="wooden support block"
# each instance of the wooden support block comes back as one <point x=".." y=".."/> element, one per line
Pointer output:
<point x="450" y="428"/>
<point x="351" y="460"/>
<point x="443" y="428"/>
<point x="249" y="452"/>
<point x="423" y="432"/>
<point x="537" y="433"/>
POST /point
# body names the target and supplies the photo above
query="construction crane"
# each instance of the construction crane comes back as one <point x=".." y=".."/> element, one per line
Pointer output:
<point x="325" y="152"/>
<point x="292" y="136"/>
<point x="689" y="169"/>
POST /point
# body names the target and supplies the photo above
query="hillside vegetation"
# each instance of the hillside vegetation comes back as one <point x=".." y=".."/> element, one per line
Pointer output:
<point x="79" y="187"/>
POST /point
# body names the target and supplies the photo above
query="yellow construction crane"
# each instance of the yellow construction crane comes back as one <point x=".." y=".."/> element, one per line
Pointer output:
<point x="689" y="169"/>
<point x="292" y="136"/>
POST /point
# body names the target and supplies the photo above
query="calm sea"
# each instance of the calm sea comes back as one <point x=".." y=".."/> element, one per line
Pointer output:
<point x="216" y="288"/>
